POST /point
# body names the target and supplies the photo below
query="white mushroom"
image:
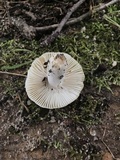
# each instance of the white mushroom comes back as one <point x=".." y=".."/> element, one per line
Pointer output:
<point x="54" y="80"/>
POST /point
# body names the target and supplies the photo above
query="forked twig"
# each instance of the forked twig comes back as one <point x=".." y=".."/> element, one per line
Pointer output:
<point x="29" y="32"/>
<point x="62" y="23"/>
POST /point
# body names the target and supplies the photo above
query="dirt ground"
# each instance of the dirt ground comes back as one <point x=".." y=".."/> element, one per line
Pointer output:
<point x="50" y="134"/>
<point x="28" y="132"/>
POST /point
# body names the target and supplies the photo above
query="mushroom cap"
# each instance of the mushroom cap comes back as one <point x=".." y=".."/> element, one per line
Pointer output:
<point x="42" y="94"/>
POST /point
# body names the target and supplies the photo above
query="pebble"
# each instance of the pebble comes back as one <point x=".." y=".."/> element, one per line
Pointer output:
<point x="92" y="132"/>
<point x="28" y="102"/>
<point x="114" y="63"/>
<point x="52" y="120"/>
<point x="83" y="29"/>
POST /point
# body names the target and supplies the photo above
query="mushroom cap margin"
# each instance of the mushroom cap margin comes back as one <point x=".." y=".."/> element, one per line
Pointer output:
<point x="42" y="95"/>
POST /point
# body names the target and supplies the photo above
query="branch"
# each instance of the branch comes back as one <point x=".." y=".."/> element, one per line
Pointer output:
<point x="29" y="32"/>
<point x="73" y="21"/>
<point x="55" y="34"/>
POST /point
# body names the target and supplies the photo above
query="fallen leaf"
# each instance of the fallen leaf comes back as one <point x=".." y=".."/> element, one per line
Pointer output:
<point x="107" y="156"/>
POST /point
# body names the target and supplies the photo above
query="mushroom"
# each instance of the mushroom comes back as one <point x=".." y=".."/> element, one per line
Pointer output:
<point x="54" y="80"/>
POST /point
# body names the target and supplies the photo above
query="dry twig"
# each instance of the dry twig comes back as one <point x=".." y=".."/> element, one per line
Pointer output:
<point x="30" y="31"/>
<point x="78" y="19"/>
<point x="105" y="5"/>
<point x="30" y="14"/>
<point x="62" y="23"/>
<point x="13" y="74"/>
<point x="108" y="149"/>
<point x="73" y="21"/>
<point x="22" y="104"/>
<point x="104" y="133"/>
<point x="101" y="139"/>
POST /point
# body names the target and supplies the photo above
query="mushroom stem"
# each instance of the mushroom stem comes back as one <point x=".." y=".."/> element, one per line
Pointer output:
<point x="56" y="70"/>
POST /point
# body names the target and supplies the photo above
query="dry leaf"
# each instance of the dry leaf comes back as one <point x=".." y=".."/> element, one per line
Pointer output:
<point x="107" y="156"/>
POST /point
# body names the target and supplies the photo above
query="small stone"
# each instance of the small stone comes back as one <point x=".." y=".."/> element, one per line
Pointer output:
<point x="83" y="29"/>
<point x="104" y="11"/>
<point x="87" y="37"/>
<point x="52" y="120"/>
<point x="92" y="132"/>
<point x="28" y="102"/>
<point x="87" y="158"/>
<point x="68" y="133"/>
<point x="95" y="138"/>
<point x="114" y="63"/>
<point x="78" y="129"/>
<point x="38" y="132"/>
<point x="94" y="38"/>
<point x="118" y="123"/>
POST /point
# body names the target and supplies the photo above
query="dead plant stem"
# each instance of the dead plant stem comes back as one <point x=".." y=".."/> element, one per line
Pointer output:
<point x="13" y="74"/>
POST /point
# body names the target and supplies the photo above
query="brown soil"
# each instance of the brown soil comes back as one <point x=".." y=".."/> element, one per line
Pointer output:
<point x="48" y="135"/>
